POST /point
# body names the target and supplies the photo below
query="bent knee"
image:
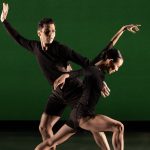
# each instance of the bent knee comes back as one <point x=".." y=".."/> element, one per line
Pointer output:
<point x="45" y="128"/>
<point x="119" y="127"/>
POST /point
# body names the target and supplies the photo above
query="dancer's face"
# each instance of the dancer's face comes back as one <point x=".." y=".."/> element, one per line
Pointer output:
<point x="47" y="33"/>
<point x="114" y="66"/>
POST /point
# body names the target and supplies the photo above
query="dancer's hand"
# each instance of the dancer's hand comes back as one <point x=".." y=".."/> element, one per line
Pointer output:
<point x="132" y="27"/>
<point x="60" y="81"/>
<point x="4" y="12"/>
<point x="105" y="90"/>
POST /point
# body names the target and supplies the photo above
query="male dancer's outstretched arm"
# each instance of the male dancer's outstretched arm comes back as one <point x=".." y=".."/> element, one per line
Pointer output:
<point x="17" y="37"/>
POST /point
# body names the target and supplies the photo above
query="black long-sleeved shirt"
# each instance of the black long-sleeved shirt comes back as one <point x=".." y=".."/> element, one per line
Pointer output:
<point x="56" y="56"/>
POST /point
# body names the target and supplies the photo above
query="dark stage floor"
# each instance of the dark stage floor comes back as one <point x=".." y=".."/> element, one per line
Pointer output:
<point x="27" y="140"/>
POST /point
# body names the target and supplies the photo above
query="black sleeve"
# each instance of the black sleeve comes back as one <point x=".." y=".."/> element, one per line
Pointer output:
<point x="28" y="44"/>
<point x="76" y="73"/>
<point x="75" y="57"/>
<point x="101" y="55"/>
<point x="82" y="72"/>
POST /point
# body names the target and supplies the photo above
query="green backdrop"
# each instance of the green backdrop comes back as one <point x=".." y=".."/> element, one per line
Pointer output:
<point x="86" y="26"/>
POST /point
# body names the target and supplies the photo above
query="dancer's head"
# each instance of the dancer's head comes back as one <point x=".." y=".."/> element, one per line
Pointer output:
<point x="112" y="60"/>
<point x="46" y="31"/>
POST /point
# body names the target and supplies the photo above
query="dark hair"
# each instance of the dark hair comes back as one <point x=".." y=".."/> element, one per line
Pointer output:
<point x="45" y="21"/>
<point x="113" y="54"/>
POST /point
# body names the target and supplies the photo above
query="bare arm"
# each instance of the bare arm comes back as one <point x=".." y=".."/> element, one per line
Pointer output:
<point x="60" y="81"/>
<point x="131" y="28"/>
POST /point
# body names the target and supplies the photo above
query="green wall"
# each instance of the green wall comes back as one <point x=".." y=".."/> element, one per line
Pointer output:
<point x="87" y="27"/>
